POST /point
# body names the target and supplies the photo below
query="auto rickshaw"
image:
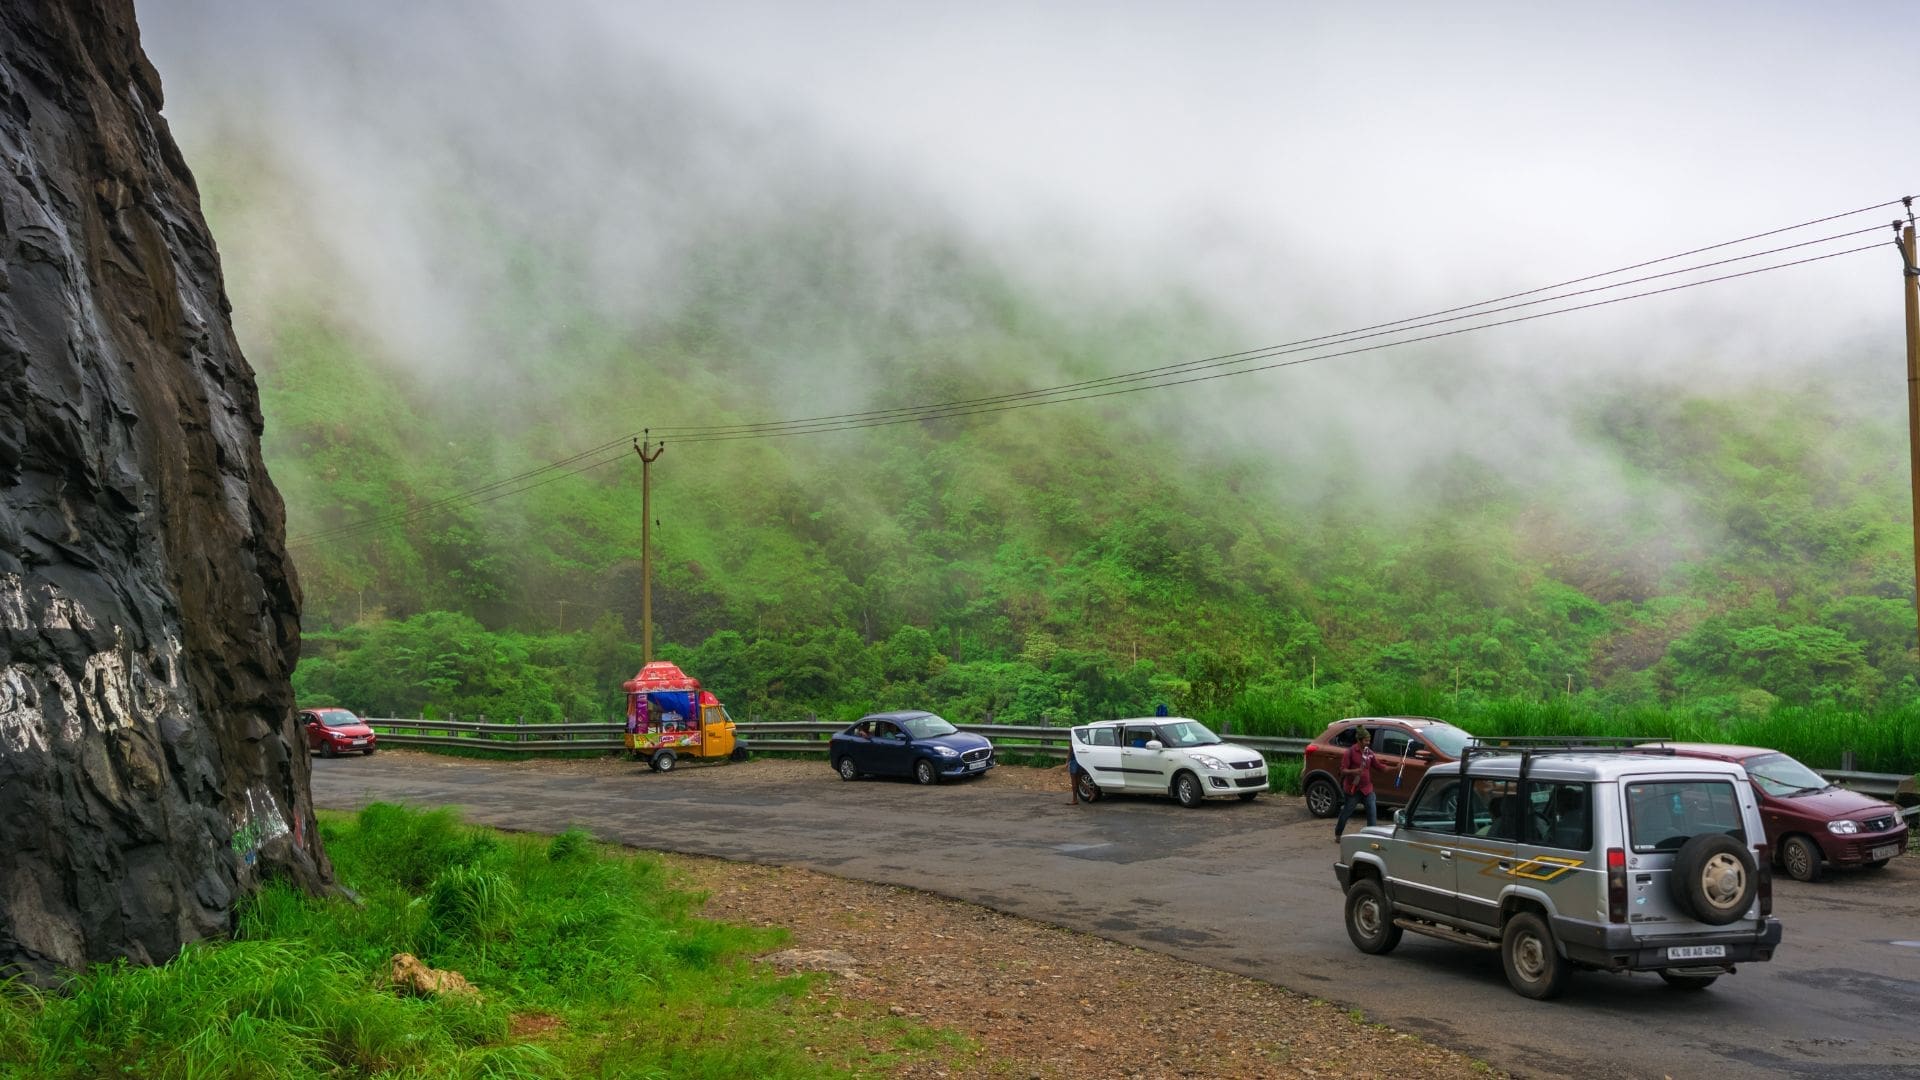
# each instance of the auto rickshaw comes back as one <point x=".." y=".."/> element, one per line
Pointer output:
<point x="669" y="717"/>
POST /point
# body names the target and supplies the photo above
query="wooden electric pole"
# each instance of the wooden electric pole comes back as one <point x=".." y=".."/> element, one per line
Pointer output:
<point x="649" y="451"/>
<point x="1910" y="283"/>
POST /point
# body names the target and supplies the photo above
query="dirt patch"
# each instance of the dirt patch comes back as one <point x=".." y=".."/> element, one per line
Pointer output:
<point x="1044" y="1002"/>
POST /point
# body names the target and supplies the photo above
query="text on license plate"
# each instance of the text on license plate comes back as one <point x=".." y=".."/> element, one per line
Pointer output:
<point x="976" y="765"/>
<point x="1884" y="851"/>
<point x="1696" y="952"/>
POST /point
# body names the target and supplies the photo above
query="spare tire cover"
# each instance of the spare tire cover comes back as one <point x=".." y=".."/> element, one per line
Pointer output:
<point x="1714" y="878"/>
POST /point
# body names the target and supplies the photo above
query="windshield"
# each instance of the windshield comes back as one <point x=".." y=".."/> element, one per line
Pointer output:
<point x="336" y="717"/>
<point x="1186" y="733"/>
<point x="1446" y="738"/>
<point x="928" y="726"/>
<point x="1778" y="774"/>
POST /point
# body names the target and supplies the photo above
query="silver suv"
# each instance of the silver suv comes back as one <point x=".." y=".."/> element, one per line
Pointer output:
<point x="1605" y="857"/>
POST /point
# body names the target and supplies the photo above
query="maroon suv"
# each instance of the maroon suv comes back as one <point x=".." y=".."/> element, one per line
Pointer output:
<point x="1403" y="749"/>
<point x="1810" y="822"/>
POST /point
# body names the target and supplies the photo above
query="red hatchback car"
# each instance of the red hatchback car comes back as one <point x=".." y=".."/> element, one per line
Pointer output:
<point x="1403" y="749"/>
<point x="1809" y="821"/>
<point x="337" y="731"/>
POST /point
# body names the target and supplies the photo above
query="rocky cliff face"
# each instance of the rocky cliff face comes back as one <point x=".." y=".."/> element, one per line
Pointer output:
<point x="150" y="768"/>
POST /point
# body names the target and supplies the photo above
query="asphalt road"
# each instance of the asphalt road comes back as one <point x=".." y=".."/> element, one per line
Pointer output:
<point x="1247" y="888"/>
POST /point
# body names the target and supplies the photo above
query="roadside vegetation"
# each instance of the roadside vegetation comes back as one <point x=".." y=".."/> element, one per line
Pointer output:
<point x="587" y="961"/>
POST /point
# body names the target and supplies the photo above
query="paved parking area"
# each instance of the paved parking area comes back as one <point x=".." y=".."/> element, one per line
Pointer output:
<point x="1247" y="888"/>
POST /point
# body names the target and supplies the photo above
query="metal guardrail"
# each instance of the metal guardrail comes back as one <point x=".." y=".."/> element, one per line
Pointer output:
<point x="1030" y="740"/>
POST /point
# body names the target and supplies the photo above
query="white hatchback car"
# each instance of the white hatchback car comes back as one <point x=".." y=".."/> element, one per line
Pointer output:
<point x="1164" y="755"/>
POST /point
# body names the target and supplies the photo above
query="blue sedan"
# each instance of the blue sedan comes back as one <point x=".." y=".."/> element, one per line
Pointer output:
<point x="913" y="743"/>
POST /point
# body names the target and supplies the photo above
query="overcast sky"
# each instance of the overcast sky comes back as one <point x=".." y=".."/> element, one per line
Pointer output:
<point x="1306" y="167"/>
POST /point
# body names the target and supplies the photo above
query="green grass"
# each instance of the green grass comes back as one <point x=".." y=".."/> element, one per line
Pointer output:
<point x="563" y="927"/>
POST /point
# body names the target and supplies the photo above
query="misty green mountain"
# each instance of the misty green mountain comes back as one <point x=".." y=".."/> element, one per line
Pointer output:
<point x="1070" y="561"/>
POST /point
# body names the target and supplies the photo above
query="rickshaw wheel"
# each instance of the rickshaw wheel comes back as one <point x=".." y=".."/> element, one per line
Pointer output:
<point x="739" y="754"/>
<point x="662" y="761"/>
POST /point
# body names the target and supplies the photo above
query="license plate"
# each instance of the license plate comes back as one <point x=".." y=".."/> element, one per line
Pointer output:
<point x="1697" y="952"/>
<point x="977" y="765"/>
<point x="1884" y="851"/>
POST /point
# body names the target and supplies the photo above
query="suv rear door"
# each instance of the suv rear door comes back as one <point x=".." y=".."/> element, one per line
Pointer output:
<point x="1396" y="773"/>
<point x="1662" y="813"/>
<point x="1097" y="749"/>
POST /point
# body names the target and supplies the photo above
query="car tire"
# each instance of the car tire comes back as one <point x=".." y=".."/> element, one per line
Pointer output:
<point x="1535" y="968"/>
<point x="739" y="754"/>
<point x="924" y="772"/>
<point x="1085" y="788"/>
<point x="1688" y="982"/>
<point x="1370" y="918"/>
<point x="662" y="761"/>
<point x="1323" y="798"/>
<point x="1249" y="796"/>
<point x="847" y="769"/>
<point x="329" y="750"/>
<point x="1800" y="858"/>
<point x="1186" y="789"/>
<point x="1714" y="878"/>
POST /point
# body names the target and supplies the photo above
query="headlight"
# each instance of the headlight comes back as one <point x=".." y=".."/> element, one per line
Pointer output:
<point x="1845" y="828"/>
<point x="1208" y="761"/>
<point x="946" y="751"/>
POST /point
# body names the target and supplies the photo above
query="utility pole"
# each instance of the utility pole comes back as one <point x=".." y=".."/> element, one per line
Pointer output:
<point x="1910" y="273"/>
<point x="649" y="451"/>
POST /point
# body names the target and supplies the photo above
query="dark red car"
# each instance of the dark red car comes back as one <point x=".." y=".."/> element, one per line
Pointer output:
<point x="1809" y="821"/>
<point x="337" y="731"/>
<point x="1403" y="749"/>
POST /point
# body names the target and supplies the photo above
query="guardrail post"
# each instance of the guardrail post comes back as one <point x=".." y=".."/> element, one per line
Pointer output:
<point x="1846" y="761"/>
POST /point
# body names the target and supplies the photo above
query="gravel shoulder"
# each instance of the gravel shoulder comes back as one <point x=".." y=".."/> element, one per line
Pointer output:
<point x="1038" y="1000"/>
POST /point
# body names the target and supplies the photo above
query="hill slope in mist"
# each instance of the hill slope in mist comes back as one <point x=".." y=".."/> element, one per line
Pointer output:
<point x="437" y="298"/>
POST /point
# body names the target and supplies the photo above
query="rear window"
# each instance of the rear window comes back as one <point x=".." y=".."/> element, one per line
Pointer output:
<point x="1662" y="816"/>
<point x="1100" y="736"/>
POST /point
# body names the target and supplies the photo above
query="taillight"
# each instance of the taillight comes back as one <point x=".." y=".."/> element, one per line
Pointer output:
<point x="1764" y="858"/>
<point x="1616" y="885"/>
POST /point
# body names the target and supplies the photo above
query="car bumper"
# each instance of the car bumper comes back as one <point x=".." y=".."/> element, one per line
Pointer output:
<point x="1863" y="848"/>
<point x="957" y="769"/>
<point x="1232" y="783"/>
<point x="1616" y="947"/>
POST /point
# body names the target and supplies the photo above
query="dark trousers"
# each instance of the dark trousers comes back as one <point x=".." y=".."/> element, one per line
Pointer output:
<point x="1353" y="800"/>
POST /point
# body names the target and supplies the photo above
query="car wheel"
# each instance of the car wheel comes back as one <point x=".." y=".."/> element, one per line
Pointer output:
<point x="1084" y="786"/>
<point x="1800" y="858"/>
<point x="1186" y="788"/>
<point x="923" y="771"/>
<point x="329" y="750"/>
<point x="1370" y="918"/>
<point x="662" y="761"/>
<point x="1323" y="799"/>
<point x="1249" y="796"/>
<point x="1534" y="967"/>
<point x="1688" y="982"/>
<point x="1714" y="878"/>
<point x="848" y="770"/>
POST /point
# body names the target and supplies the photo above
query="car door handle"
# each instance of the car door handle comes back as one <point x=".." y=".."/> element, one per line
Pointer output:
<point x="1447" y="855"/>
<point x="1505" y="867"/>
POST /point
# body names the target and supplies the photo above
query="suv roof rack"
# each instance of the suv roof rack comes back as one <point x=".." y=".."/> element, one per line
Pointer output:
<point x="1532" y="746"/>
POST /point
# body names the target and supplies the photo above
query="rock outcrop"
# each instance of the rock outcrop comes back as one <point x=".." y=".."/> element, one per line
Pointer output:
<point x="151" y="773"/>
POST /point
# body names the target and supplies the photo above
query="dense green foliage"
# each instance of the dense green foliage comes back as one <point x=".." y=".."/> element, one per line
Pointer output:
<point x="557" y="929"/>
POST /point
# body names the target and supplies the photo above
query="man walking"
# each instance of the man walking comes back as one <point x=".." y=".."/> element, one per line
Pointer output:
<point x="1356" y="779"/>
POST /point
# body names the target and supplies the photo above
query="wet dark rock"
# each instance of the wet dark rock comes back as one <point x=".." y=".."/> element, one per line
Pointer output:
<point x="151" y="773"/>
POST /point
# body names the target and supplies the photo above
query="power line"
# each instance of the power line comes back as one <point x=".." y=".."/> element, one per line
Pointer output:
<point x="1146" y="379"/>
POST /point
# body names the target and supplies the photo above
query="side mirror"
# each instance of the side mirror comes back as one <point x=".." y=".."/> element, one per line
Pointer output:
<point x="1155" y="744"/>
<point x="1399" y="818"/>
<point x="1422" y="754"/>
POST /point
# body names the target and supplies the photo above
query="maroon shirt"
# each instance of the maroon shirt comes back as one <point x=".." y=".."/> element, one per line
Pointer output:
<point x="1357" y="757"/>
